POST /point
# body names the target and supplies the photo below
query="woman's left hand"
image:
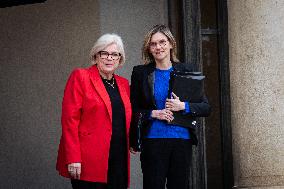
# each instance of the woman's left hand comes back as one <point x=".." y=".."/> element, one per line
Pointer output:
<point x="174" y="104"/>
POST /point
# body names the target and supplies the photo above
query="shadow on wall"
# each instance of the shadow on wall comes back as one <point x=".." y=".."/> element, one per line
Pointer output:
<point x="10" y="3"/>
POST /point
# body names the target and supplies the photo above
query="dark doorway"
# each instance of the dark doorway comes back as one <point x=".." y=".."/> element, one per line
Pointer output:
<point x="210" y="65"/>
<point x="201" y="29"/>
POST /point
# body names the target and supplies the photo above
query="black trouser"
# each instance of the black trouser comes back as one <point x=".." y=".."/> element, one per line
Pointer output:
<point x="166" y="162"/>
<point x="80" y="184"/>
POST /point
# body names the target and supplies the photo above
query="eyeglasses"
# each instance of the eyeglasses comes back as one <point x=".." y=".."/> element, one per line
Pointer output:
<point x="105" y="55"/>
<point x="161" y="43"/>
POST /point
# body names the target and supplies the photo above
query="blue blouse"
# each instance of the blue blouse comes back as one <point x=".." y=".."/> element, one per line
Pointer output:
<point x="161" y="129"/>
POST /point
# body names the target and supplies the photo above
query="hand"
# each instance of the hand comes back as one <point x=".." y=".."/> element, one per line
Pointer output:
<point x="164" y="114"/>
<point x="74" y="170"/>
<point x="174" y="104"/>
<point x="132" y="151"/>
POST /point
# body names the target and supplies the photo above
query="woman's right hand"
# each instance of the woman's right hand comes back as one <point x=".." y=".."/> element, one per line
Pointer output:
<point x="74" y="170"/>
<point x="132" y="150"/>
<point x="163" y="114"/>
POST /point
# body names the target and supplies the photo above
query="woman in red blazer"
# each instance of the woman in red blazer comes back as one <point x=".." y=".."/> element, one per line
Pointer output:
<point x="96" y="113"/>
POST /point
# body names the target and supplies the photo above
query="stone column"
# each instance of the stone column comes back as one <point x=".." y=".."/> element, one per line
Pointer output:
<point x="256" y="46"/>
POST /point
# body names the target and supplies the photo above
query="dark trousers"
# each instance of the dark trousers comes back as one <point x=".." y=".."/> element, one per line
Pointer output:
<point x="166" y="162"/>
<point x="80" y="184"/>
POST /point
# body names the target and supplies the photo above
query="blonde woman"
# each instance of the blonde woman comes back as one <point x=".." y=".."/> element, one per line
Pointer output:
<point x="166" y="148"/>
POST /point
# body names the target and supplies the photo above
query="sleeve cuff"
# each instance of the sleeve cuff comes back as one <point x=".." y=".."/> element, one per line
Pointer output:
<point x="187" y="108"/>
<point x="149" y="116"/>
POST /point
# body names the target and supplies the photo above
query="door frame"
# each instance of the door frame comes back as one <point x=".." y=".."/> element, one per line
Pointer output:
<point x="185" y="23"/>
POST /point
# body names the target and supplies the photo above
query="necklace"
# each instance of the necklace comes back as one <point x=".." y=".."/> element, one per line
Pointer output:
<point x="110" y="83"/>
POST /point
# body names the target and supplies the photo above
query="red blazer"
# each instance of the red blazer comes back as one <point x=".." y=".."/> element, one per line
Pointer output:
<point x="87" y="124"/>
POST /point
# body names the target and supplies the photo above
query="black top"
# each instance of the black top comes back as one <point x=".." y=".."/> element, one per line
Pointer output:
<point x="117" y="171"/>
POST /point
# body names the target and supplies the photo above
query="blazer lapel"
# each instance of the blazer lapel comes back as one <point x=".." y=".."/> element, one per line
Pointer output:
<point x="100" y="88"/>
<point x="151" y="81"/>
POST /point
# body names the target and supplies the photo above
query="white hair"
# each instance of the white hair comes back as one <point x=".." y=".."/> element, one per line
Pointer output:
<point x="104" y="41"/>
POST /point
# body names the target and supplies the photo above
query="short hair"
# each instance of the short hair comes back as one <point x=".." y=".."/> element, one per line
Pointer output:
<point x="104" y="41"/>
<point x="147" y="57"/>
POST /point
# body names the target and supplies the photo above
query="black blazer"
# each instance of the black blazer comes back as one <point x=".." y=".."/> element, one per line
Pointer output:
<point x="143" y="102"/>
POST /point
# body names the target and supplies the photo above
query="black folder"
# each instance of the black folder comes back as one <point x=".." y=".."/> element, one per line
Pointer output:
<point x="188" y="86"/>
